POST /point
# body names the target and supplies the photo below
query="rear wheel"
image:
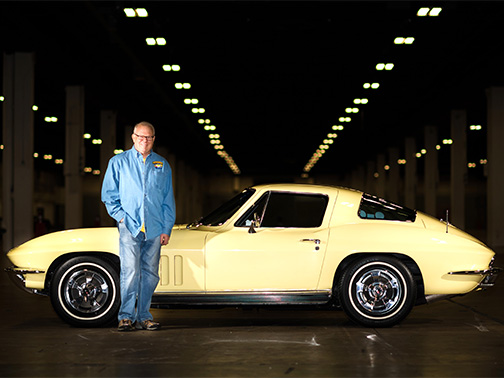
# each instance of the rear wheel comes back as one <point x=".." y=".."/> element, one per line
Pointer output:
<point x="85" y="292"/>
<point x="377" y="291"/>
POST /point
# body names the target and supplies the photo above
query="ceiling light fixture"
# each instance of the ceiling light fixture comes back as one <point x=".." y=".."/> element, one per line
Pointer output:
<point x="384" y="66"/>
<point x="191" y="101"/>
<point x="182" y="85"/>
<point x="155" y="41"/>
<point x="141" y="12"/>
<point x="371" y="85"/>
<point x="362" y="101"/>
<point x="138" y="12"/>
<point x="404" y="41"/>
<point x="434" y="12"/>
<point x="173" y="67"/>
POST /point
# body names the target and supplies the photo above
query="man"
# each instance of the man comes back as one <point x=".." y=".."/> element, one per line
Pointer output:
<point x="137" y="191"/>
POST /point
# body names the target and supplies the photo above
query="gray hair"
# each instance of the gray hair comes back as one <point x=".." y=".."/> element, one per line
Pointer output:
<point x="146" y="124"/>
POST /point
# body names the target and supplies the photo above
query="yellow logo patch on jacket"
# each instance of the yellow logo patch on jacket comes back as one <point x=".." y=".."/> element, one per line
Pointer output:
<point x="158" y="164"/>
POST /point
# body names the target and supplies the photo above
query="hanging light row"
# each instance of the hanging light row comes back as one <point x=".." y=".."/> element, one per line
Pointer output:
<point x="329" y="140"/>
<point x="214" y="138"/>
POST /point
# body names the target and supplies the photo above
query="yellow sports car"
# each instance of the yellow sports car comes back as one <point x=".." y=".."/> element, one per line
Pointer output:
<point x="271" y="245"/>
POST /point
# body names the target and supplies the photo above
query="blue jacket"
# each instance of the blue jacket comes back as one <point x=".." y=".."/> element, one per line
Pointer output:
<point x="139" y="192"/>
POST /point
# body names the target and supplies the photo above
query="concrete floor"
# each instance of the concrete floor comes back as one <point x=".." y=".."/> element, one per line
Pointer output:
<point x="462" y="337"/>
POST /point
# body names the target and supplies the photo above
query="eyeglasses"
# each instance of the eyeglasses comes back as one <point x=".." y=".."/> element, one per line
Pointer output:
<point x="148" y="138"/>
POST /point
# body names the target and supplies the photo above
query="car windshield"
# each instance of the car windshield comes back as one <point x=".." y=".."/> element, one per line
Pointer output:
<point x="220" y="216"/>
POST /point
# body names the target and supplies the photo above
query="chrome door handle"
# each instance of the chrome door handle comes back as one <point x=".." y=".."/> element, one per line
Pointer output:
<point x="316" y="241"/>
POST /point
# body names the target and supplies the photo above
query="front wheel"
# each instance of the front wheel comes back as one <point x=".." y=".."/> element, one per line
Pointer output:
<point x="85" y="292"/>
<point x="377" y="291"/>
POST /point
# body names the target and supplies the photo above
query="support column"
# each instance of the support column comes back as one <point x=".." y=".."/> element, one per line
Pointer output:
<point x="458" y="165"/>
<point x="410" y="179"/>
<point x="380" y="180"/>
<point x="392" y="189"/>
<point x="495" y="167"/>
<point x="74" y="156"/>
<point x="358" y="178"/>
<point x="17" y="176"/>
<point x="431" y="173"/>
<point x="109" y="144"/>
<point x="370" y="179"/>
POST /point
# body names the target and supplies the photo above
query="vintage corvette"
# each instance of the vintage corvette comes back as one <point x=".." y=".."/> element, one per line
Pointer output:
<point x="276" y="244"/>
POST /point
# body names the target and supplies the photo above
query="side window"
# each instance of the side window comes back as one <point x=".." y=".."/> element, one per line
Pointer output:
<point x="376" y="208"/>
<point x="288" y="210"/>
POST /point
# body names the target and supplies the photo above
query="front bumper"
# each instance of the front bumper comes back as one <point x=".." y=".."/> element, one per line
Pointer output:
<point x="489" y="275"/>
<point x="17" y="276"/>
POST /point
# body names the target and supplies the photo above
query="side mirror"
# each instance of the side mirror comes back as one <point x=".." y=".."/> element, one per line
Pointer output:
<point x="255" y="223"/>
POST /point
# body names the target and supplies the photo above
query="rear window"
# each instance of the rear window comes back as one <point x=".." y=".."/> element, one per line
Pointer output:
<point x="372" y="207"/>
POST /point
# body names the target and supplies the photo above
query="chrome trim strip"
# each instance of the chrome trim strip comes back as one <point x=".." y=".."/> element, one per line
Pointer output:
<point x="489" y="275"/>
<point x="17" y="277"/>
<point x="242" y="298"/>
<point x="15" y="270"/>
<point x="246" y="292"/>
<point x="489" y="271"/>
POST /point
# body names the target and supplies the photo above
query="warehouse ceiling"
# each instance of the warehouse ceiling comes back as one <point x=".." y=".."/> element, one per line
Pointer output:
<point x="276" y="79"/>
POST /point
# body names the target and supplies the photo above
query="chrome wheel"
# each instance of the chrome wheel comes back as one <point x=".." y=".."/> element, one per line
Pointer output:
<point x="85" y="292"/>
<point x="377" y="291"/>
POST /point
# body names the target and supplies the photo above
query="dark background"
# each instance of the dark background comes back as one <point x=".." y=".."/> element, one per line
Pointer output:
<point x="273" y="76"/>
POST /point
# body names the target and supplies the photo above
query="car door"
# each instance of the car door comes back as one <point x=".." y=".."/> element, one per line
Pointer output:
<point x="283" y="250"/>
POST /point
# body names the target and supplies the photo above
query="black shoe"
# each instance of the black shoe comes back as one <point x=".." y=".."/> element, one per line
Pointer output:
<point x="125" y="325"/>
<point x="148" y="325"/>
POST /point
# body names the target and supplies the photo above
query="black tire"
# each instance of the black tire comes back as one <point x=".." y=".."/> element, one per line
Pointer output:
<point x="85" y="292"/>
<point x="377" y="291"/>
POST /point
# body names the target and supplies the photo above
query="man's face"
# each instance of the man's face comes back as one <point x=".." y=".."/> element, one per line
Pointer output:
<point x="143" y="140"/>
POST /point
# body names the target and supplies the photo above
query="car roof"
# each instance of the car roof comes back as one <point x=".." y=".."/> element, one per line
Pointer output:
<point x="310" y="188"/>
